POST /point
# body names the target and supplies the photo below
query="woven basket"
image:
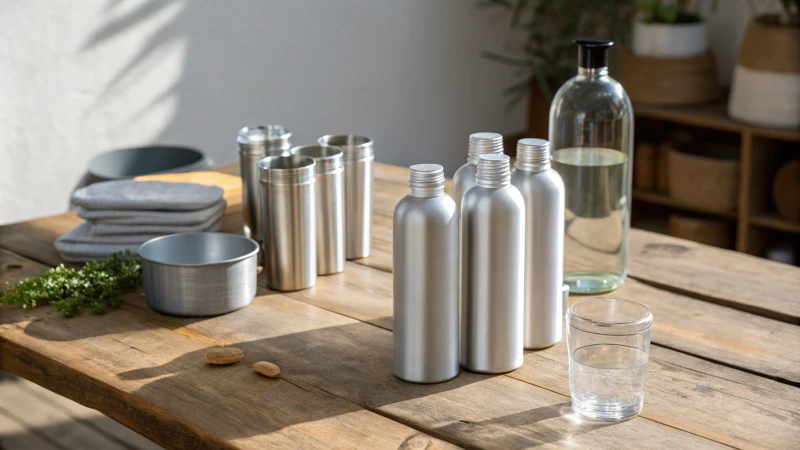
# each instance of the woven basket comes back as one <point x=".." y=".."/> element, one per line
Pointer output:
<point x="766" y="79"/>
<point x="670" y="81"/>
<point x="705" y="182"/>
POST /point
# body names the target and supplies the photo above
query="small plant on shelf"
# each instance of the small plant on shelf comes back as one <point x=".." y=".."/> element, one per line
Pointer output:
<point x="542" y="32"/>
<point x="660" y="11"/>
<point x="671" y="28"/>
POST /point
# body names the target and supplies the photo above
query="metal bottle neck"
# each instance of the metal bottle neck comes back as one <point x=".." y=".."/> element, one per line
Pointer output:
<point x="483" y="144"/>
<point x="494" y="171"/>
<point x="426" y="180"/>
<point x="533" y="155"/>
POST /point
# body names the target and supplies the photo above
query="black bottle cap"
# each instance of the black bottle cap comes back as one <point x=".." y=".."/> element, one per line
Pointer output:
<point x="593" y="52"/>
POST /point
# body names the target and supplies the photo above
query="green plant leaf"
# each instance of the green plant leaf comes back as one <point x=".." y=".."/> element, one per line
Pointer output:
<point x="509" y="60"/>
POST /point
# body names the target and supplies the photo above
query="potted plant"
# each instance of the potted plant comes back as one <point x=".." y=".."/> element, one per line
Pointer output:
<point x="766" y="80"/>
<point x="669" y="29"/>
<point x="670" y="63"/>
<point x="541" y="45"/>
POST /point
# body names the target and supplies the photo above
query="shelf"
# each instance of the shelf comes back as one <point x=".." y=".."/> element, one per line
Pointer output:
<point x="712" y="115"/>
<point x="661" y="199"/>
<point x="774" y="222"/>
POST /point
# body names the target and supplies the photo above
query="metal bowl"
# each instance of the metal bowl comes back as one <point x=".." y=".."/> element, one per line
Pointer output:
<point x="136" y="161"/>
<point x="199" y="274"/>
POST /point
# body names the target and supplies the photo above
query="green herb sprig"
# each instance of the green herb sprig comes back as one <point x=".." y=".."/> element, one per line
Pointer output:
<point x="98" y="286"/>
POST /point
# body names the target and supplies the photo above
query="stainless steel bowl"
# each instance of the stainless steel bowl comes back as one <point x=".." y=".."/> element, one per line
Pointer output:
<point x="199" y="274"/>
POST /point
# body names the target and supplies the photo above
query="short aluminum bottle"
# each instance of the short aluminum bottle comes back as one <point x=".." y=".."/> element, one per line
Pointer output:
<point x="543" y="192"/>
<point x="289" y="221"/>
<point x="426" y="280"/>
<point x="492" y="266"/>
<point x="359" y="161"/>
<point x="330" y="205"/>
<point x="255" y="143"/>
<point x="479" y="144"/>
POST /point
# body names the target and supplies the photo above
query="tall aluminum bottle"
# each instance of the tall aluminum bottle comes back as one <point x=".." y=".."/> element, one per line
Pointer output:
<point x="543" y="192"/>
<point x="256" y="143"/>
<point x="479" y="144"/>
<point x="591" y="134"/>
<point x="492" y="265"/>
<point x="358" y="161"/>
<point x="426" y="280"/>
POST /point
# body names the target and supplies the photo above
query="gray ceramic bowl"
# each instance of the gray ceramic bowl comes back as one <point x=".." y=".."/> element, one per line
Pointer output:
<point x="137" y="161"/>
<point x="199" y="274"/>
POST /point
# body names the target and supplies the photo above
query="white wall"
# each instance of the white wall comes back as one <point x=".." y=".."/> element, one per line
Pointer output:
<point x="80" y="77"/>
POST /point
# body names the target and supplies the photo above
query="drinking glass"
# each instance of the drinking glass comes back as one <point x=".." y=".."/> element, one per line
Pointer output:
<point x="608" y="341"/>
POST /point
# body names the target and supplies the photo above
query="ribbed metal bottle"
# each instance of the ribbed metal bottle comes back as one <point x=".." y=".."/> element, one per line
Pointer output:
<point x="492" y="266"/>
<point x="426" y="280"/>
<point x="330" y="205"/>
<point x="256" y="143"/>
<point x="289" y="222"/>
<point x="543" y="192"/>
<point x="479" y="144"/>
<point x="358" y="159"/>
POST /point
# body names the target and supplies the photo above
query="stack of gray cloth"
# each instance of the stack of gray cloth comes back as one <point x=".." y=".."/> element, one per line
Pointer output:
<point x="123" y="214"/>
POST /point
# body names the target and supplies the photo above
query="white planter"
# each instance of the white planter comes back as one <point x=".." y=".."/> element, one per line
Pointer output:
<point x="663" y="40"/>
<point x="770" y="99"/>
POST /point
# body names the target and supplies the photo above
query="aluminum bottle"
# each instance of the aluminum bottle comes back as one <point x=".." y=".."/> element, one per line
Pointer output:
<point x="543" y="192"/>
<point x="330" y="205"/>
<point x="289" y="222"/>
<point x="479" y="144"/>
<point x="254" y="144"/>
<point x="358" y="162"/>
<point x="426" y="280"/>
<point x="492" y="265"/>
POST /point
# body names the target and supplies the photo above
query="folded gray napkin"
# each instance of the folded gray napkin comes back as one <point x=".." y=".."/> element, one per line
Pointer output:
<point x="146" y="195"/>
<point x="79" y="252"/>
<point x="115" y="229"/>
<point x="82" y="234"/>
<point x="79" y="245"/>
<point x="140" y="217"/>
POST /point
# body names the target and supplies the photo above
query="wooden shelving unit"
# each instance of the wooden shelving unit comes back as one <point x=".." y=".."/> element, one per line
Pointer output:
<point x="761" y="152"/>
<point x="774" y="222"/>
<point x="658" y="198"/>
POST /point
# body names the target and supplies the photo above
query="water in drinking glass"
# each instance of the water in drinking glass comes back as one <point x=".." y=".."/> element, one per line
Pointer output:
<point x="607" y="380"/>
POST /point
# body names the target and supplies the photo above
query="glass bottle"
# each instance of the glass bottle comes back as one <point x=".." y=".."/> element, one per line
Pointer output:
<point x="591" y="136"/>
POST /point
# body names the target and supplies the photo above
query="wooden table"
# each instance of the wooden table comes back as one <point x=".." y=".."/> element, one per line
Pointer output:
<point x="724" y="364"/>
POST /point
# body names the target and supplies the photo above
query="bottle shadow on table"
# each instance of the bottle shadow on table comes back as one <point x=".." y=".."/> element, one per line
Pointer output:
<point x="354" y="362"/>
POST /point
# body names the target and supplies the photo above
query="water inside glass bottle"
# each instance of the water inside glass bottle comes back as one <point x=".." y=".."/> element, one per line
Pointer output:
<point x="596" y="216"/>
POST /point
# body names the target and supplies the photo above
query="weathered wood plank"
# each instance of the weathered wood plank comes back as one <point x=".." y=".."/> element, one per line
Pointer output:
<point x="684" y="392"/>
<point x="352" y="360"/>
<point x="772" y="289"/>
<point x="94" y="361"/>
<point x="188" y="406"/>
